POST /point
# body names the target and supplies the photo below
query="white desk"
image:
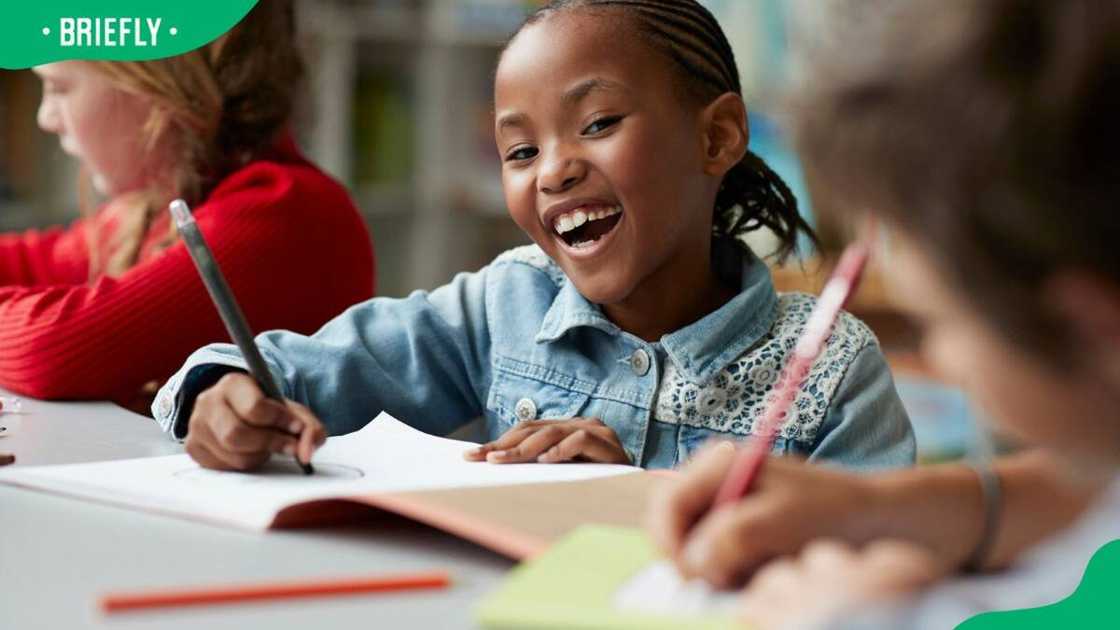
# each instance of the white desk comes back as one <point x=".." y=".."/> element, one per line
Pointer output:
<point x="58" y="555"/>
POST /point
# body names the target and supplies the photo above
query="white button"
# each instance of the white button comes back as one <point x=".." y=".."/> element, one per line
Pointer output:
<point x="165" y="405"/>
<point x="639" y="362"/>
<point x="526" y="410"/>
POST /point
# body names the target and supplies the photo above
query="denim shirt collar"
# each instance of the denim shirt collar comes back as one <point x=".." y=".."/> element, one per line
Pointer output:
<point x="699" y="350"/>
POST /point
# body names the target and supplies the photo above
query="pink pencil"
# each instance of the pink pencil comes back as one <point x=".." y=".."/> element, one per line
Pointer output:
<point x="840" y="287"/>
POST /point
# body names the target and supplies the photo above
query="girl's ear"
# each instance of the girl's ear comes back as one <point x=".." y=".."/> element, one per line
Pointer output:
<point x="1090" y="306"/>
<point x="725" y="136"/>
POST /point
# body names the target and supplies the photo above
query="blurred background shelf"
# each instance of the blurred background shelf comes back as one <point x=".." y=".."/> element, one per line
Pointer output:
<point x="399" y="109"/>
<point x="37" y="180"/>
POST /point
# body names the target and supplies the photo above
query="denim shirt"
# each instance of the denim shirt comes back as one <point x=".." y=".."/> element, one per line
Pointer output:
<point x="516" y="341"/>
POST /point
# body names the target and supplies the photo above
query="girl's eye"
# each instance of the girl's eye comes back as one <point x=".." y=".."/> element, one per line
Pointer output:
<point x="601" y="124"/>
<point x="521" y="153"/>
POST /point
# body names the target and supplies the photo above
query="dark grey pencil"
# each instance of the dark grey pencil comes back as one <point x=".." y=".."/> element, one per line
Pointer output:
<point x="227" y="306"/>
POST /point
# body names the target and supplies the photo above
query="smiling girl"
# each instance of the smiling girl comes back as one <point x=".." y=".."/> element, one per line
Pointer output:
<point x="102" y="307"/>
<point x="638" y="326"/>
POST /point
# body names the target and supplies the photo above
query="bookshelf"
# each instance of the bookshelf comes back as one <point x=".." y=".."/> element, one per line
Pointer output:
<point x="399" y="110"/>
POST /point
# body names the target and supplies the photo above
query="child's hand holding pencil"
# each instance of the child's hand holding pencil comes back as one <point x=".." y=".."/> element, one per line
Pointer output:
<point x="720" y="482"/>
<point x="791" y="504"/>
<point x="234" y="426"/>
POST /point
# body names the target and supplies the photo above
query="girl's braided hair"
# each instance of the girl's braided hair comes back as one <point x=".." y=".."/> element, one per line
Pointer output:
<point x="753" y="196"/>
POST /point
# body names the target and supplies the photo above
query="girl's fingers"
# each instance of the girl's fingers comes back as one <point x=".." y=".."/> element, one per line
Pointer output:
<point x="245" y="398"/>
<point x="198" y="450"/>
<point x="528" y="449"/>
<point x="210" y="454"/>
<point x="600" y="428"/>
<point x="313" y="435"/>
<point x="677" y="506"/>
<point x="778" y="577"/>
<point x="475" y="454"/>
<point x="825" y="556"/>
<point x="204" y="457"/>
<point x="525" y="442"/>
<point x="509" y="439"/>
<point x="902" y="566"/>
<point x="231" y="434"/>
<point x="840" y="578"/>
<point x="775" y="597"/>
<point x="201" y="442"/>
<point x="588" y="445"/>
<point x="242" y="461"/>
<point x="730" y="543"/>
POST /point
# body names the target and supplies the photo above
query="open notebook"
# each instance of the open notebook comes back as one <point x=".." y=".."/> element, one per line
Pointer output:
<point x="516" y="510"/>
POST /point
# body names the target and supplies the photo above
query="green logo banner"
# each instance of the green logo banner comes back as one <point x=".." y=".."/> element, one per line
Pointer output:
<point x="34" y="33"/>
<point x="1092" y="605"/>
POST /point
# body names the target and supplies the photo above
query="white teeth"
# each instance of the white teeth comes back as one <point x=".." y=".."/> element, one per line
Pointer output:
<point x="565" y="224"/>
<point x="572" y="220"/>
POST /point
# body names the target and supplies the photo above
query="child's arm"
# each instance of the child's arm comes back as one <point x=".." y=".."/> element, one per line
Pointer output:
<point x="52" y="256"/>
<point x="938" y="507"/>
<point x="424" y="359"/>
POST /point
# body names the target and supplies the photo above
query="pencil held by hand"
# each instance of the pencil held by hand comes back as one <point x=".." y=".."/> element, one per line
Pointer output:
<point x="241" y="419"/>
<point x="836" y="292"/>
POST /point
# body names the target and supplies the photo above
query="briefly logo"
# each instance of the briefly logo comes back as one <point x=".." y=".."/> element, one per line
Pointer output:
<point x="109" y="32"/>
<point x="34" y="32"/>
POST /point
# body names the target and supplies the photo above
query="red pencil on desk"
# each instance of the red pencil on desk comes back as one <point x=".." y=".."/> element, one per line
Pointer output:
<point x="840" y="287"/>
<point x="125" y="602"/>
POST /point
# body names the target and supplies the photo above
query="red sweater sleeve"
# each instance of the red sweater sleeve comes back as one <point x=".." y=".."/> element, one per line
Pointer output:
<point x="289" y="241"/>
<point x="54" y="256"/>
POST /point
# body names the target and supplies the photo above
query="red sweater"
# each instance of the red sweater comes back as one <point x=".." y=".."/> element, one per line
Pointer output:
<point x="287" y="237"/>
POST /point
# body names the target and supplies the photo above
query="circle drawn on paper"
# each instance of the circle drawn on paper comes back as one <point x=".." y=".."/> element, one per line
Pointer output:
<point x="285" y="470"/>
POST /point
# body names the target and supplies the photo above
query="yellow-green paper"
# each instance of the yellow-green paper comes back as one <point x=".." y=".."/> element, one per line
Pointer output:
<point x="573" y="584"/>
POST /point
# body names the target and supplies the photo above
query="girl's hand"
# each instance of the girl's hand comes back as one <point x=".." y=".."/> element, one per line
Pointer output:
<point x="790" y="504"/>
<point x="830" y="579"/>
<point x="554" y="441"/>
<point x="235" y="427"/>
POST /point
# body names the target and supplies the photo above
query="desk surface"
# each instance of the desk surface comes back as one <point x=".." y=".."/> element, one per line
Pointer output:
<point x="58" y="555"/>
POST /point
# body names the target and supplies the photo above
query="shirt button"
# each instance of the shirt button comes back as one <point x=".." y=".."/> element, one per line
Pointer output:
<point x="639" y="362"/>
<point x="165" y="405"/>
<point x="525" y="410"/>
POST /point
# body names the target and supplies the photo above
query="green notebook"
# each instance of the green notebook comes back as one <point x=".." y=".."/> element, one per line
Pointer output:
<point x="575" y="583"/>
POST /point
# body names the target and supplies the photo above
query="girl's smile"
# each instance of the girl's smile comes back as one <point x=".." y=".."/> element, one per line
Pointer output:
<point x="583" y="227"/>
<point x="606" y="167"/>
